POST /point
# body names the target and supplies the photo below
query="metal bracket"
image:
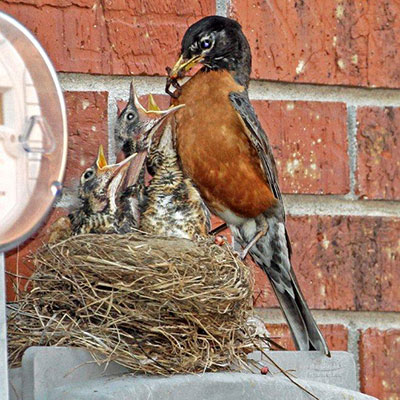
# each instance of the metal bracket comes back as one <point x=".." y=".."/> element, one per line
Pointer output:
<point x="46" y="144"/>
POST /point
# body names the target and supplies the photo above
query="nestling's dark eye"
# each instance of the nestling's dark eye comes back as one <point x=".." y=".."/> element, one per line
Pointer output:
<point x="88" y="174"/>
<point x="130" y="116"/>
<point x="205" y="43"/>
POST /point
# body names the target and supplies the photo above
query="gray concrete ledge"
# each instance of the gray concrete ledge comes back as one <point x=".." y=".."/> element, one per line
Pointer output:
<point x="61" y="373"/>
<point x="338" y="370"/>
<point x="210" y="386"/>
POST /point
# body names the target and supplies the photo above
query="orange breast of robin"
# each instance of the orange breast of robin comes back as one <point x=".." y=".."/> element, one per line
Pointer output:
<point x="214" y="149"/>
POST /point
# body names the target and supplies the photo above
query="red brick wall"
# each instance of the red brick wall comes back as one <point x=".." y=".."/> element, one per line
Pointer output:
<point x="331" y="108"/>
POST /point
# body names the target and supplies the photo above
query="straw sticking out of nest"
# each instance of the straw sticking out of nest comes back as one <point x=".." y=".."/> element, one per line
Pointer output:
<point x="154" y="305"/>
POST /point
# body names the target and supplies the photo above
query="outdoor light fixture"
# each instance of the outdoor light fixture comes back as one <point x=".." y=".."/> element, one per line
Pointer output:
<point x="33" y="148"/>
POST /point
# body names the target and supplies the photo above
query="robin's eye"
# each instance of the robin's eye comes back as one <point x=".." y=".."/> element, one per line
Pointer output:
<point x="88" y="174"/>
<point x="205" y="43"/>
<point x="130" y="116"/>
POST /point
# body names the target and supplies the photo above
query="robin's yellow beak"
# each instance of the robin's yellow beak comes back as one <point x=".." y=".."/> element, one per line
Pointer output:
<point x="184" y="65"/>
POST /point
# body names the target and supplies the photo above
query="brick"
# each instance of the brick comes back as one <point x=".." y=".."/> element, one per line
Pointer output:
<point x="379" y="363"/>
<point x="309" y="140"/>
<point x="343" y="263"/>
<point x="87" y="129"/>
<point x="336" y="336"/>
<point x="111" y="36"/>
<point x="332" y="42"/>
<point x="378" y="162"/>
<point x="18" y="261"/>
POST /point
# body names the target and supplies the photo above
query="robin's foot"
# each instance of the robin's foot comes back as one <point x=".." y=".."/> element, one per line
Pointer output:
<point x="263" y="231"/>
<point x="253" y="241"/>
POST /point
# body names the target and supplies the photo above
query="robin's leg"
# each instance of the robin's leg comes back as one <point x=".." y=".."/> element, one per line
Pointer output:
<point x="237" y="240"/>
<point x="237" y="247"/>
<point x="259" y="235"/>
<point x="262" y="229"/>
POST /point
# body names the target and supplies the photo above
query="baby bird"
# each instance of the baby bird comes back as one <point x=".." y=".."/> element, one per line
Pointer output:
<point x="134" y="120"/>
<point x="100" y="188"/>
<point x="108" y="200"/>
<point x="172" y="206"/>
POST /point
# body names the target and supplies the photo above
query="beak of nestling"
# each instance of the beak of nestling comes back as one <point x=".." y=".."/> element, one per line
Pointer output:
<point x="101" y="161"/>
<point x="151" y="128"/>
<point x="153" y="108"/>
<point x="114" y="174"/>
<point x="133" y="171"/>
<point x="184" y="65"/>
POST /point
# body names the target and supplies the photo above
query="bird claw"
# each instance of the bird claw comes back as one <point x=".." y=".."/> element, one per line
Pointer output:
<point x="240" y="254"/>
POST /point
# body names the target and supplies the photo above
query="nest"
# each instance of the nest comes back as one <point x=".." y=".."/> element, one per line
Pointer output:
<point x="154" y="305"/>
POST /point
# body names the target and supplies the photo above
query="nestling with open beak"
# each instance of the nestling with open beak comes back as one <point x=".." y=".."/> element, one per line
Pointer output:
<point x="135" y="121"/>
<point x="100" y="187"/>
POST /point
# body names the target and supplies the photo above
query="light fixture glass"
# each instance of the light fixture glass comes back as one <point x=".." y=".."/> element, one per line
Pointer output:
<point x="33" y="134"/>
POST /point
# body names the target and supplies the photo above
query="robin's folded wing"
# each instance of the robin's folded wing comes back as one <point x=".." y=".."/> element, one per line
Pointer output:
<point x="258" y="138"/>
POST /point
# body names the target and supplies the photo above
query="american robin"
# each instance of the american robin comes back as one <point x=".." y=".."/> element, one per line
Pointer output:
<point x="100" y="188"/>
<point x="172" y="206"/>
<point x="224" y="150"/>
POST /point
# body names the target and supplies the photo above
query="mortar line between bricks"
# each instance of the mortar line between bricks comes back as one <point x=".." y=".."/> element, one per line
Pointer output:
<point x="111" y="122"/>
<point x="321" y="205"/>
<point x="112" y="119"/>
<point x="353" y="348"/>
<point x="352" y="148"/>
<point x="299" y="204"/>
<point x="259" y="90"/>
<point x="221" y="7"/>
<point x="350" y="319"/>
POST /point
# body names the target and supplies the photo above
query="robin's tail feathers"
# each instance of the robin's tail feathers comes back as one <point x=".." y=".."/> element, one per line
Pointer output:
<point x="303" y="327"/>
<point x="271" y="253"/>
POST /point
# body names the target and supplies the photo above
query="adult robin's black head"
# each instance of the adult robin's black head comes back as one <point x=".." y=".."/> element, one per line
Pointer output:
<point x="218" y="43"/>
